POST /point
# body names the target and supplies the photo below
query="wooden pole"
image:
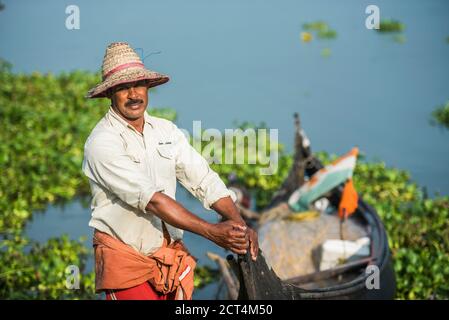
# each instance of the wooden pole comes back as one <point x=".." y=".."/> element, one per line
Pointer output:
<point x="223" y="265"/>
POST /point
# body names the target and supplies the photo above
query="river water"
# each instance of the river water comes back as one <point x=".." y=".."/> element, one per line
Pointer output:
<point x="233" y="60"/>
<point x="244" y="60"/>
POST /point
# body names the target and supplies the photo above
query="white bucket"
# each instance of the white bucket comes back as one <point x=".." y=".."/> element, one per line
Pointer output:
<point x="334" y="251"/>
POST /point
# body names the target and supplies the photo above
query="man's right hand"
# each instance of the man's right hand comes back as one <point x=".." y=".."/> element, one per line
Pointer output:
<point x="230" y="235"/>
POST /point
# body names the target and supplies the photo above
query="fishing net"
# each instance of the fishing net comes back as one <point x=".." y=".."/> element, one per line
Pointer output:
<point x="292" y="247"/>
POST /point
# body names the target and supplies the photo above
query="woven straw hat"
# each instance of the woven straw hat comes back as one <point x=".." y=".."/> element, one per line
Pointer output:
<point x="121" y="64"/>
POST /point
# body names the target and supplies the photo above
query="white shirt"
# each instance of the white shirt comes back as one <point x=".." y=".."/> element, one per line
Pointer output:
<point x="125" y="168"/>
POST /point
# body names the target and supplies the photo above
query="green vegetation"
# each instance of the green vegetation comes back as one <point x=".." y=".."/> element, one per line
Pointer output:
<point x="417" y="227"/>
<point x="322" y="31"/>
<point x="391" y="25"/>
<point x="321" y="28"/>
<point x="38" y="271"/>
<point x="45" y="121"/>
<point x="205" y="275"/>
<point x="394" y="27"/>
<point x="263" y="186"/>
<point x="441" y="116"/>
<point x="418" y="230"/>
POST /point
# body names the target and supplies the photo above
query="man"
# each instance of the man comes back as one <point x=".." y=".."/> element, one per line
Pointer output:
<point x="133" y="161"/>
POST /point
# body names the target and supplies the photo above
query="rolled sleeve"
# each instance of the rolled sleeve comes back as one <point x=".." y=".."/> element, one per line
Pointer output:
<point x="195" y="174"/>
<point x="108" y="165"/>
<point x="212" y="189"/>
<point x="146" y="195"/>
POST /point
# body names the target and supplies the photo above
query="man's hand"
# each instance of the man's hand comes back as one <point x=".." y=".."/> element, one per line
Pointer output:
<point x="230" y="235"/>
<point x="254" y="243"/>
<point x="228" y="210"/>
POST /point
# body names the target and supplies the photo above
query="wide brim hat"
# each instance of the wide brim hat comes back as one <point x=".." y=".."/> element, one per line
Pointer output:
<point x="121" y="64"/>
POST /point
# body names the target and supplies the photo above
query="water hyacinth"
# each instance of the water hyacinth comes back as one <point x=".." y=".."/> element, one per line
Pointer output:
<point x="391" y="25"/>
<point x="321" y="28"/>
<point x="440" y="116"/>
<point x="306" y="37"/>
<point x="45" y="121"/>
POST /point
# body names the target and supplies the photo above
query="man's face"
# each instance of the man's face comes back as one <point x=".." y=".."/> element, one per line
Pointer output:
<point x="130" y="99"/>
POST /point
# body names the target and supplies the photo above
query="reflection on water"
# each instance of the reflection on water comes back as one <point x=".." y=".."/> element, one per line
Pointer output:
<point x="73" y="218"/>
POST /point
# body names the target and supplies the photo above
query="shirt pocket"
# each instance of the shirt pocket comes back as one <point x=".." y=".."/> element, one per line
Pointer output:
<point x="165" y="151"/>
<point x="165" y="161"/>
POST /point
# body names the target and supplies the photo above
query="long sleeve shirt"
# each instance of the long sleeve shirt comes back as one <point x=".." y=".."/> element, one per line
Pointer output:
<point x="125" y="168"/>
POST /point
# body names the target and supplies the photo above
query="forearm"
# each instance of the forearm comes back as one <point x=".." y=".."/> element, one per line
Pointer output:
<point x="227" y="209"/>
<point x="176" y="215"/>
<point x="229" y="235"/>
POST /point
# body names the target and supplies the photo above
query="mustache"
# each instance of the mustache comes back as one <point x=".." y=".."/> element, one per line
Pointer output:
<point x="133" y="101"/>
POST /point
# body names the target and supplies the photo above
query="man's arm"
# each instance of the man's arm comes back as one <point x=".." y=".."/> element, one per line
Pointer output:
<point x="109" y="165"/>
<point x="195" y="174"/>
<point x="229" y="211"/>
<point x="229" y="234"/>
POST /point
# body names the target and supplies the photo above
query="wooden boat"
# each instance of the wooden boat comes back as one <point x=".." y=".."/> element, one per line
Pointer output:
<point x="246" y="279"/>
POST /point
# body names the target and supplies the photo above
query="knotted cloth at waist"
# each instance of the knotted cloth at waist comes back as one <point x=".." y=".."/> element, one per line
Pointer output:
<point x="119" y="266"/>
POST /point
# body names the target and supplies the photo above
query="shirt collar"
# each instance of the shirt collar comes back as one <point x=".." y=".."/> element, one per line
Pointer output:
<point x="148" y="119"/>
<point x="115" y="116"/>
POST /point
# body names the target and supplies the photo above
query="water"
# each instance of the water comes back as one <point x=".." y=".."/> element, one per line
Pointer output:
<point x="233" y="60"/>
<point x="73" y="218"/>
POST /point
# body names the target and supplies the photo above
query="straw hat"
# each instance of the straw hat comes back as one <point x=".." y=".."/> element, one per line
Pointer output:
<point x="121" y="64"/>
